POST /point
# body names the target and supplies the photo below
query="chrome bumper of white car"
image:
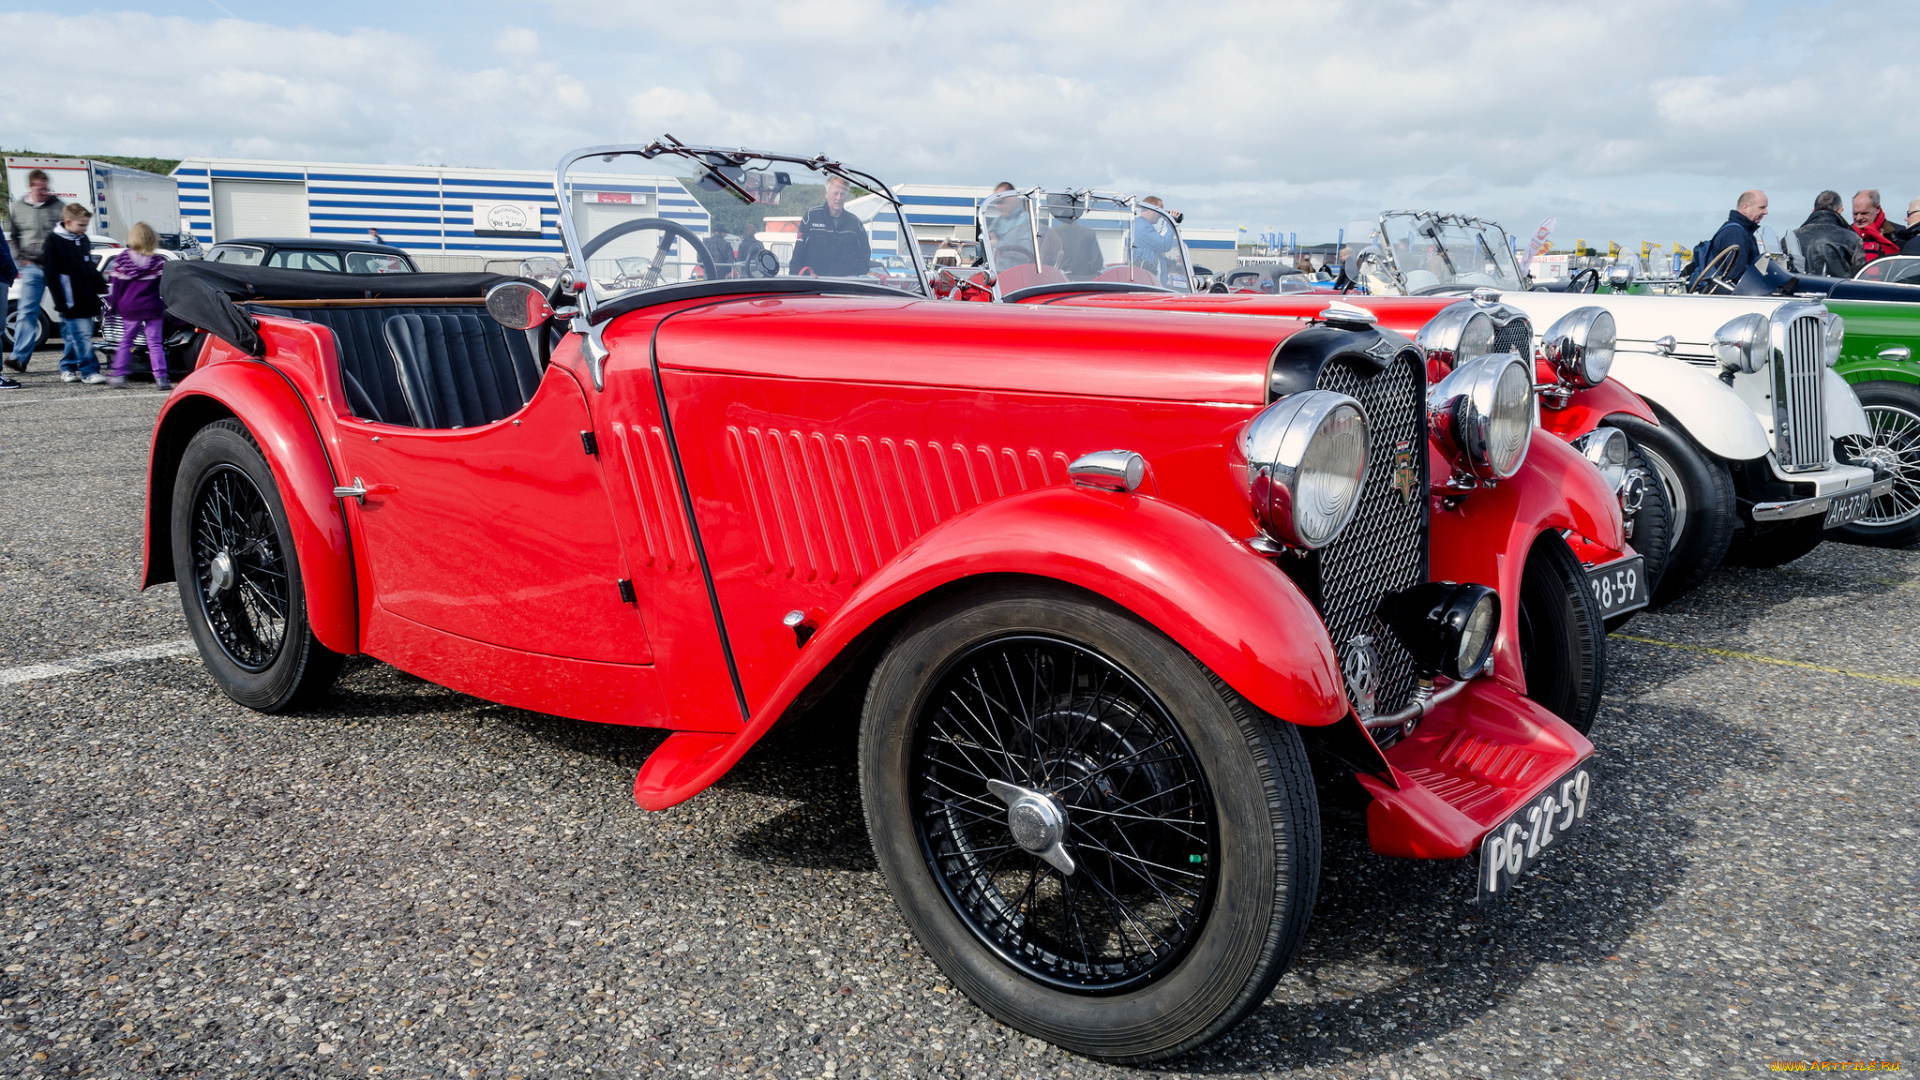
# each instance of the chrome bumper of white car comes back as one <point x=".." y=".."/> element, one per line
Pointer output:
<point x="1831" y="485"/>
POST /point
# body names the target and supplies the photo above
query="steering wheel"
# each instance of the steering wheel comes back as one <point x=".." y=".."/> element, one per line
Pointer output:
<point x="1714" y="273"/>
<point x="672" y="228"/>
<point x="1584" y="281"/>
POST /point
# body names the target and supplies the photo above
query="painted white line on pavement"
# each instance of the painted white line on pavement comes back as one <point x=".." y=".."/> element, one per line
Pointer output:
<point x="123" y="395"/>
<point x="80" y="664"/>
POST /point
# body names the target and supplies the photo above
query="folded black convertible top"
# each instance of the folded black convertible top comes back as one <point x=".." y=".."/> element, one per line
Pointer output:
<point x="206" y="294"/>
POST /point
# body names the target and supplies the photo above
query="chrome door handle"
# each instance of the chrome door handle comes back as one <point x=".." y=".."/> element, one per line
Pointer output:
<point x="358" y="490"/>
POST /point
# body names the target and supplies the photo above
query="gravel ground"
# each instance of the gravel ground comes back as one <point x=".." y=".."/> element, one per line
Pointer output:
<point x="413" y="883"/>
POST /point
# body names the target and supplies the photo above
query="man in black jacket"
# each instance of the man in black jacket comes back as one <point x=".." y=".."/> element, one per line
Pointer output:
<point x="1832" y="248"/>
<point x="833" y="243"/>
<point x="1911" y="244"/>
<point x="1743" y="221"/>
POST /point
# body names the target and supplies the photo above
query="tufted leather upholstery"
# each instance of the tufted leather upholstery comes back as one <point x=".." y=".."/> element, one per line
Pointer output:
<point x="372" y="376"/>
<point x="460" y="370"/>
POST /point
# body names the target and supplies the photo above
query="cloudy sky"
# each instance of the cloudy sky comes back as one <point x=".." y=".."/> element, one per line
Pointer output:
<point x="1626" y="119"/>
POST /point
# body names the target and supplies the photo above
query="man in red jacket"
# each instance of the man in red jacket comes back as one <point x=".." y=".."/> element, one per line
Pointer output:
<point x="1871" y="223"/>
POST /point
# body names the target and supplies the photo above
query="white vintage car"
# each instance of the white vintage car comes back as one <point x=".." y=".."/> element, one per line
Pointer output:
<point x="1749" y="406"/>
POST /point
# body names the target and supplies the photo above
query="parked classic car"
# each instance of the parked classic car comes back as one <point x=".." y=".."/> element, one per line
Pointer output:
<point x="1100" y="578"/>
<point x="316" y="254"/>
<point x="1882" y="315"/>
<point x="1573" y="387"/>
<point x="1750" y="439"/>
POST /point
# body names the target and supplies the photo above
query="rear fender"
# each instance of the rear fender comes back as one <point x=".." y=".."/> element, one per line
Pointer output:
<point x="1586" y="409"/>
<point x="1487" y="537"/>
<point x="1706" y="408"/>
<point x="1232" y="609"/>
<point x="259" y="396"/>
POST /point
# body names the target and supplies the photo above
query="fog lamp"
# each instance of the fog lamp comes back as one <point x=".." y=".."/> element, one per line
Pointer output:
<point x="1448" y="627"/>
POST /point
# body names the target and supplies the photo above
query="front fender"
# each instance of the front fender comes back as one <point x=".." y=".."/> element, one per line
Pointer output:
<point x="259" y="396"/>
<point x="1843" y="412"/>
<point x="1585" y="409"/>
<point x="1706" y="408"/>
<point x="1232" y="609"/>
<point x="1487" y="537"/>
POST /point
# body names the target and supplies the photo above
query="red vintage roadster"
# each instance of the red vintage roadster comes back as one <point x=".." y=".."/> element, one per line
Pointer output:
<point x="1103" y="578"/>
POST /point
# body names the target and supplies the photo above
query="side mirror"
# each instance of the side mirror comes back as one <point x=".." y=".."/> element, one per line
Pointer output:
<point x="518" y="305"/>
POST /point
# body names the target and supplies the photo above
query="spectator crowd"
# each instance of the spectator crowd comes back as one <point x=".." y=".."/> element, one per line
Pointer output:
<point x="1829" y="244"/>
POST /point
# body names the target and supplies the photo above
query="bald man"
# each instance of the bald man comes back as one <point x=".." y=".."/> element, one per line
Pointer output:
<point x="1743" y="222"/>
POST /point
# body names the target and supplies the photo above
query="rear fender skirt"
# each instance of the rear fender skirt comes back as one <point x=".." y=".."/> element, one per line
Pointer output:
<point x="1703" y="406"/>
<point x="1586" y="409"/>
<point x="1486" y="538"/>
<point x="1232" y="609"/>
<point x="260" y="397"/>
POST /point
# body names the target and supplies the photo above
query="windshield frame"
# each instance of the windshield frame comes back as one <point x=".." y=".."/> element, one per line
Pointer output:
<point x="1384" y="241"/>
<point x="592" y="297"/>
<point x="1037" y="199"/>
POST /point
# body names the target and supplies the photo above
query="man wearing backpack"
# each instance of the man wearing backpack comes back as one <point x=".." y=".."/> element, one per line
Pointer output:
<point x="1743" y="221"/>
<point x="1832" y="247"/>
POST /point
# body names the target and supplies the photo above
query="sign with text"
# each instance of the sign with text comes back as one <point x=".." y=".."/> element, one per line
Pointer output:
<point x="513" y="219"/>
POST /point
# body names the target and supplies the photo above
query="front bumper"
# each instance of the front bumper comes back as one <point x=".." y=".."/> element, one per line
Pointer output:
<point x="1830" y="484"/>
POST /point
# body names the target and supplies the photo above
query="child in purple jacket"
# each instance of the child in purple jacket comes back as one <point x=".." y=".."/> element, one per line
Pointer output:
<point x="133" y="293"/>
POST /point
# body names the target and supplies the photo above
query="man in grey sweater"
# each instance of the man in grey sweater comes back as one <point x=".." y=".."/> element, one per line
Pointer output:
<point x="30" y="221"/>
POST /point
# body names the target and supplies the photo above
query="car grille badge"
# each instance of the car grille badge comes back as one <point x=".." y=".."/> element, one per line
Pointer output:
<point x="1406" y="478"/>
<point x="1361" y="667"/>
<point x="1381" y="350"/>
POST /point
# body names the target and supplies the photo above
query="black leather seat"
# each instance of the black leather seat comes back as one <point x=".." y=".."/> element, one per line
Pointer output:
<point x="460" y="369"/>
<point x="371" y="374"/>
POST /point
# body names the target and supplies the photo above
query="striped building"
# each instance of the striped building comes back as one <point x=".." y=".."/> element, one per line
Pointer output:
<point x="447" y="218"/>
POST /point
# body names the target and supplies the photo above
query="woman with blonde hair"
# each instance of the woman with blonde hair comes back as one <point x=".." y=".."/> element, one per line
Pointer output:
<point x="133" y="293"/>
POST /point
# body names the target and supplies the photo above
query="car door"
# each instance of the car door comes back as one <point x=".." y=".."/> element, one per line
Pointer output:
<point x="501" y="533"/>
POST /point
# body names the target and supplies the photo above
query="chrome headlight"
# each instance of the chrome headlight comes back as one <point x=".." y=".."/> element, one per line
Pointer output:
<point x="1459" y="333"/>
<point x="1579" y="346"/>
<point x="1607" y="449"/>
<point x="1836" y="333"/>
<point x="1741" y="345"/>
<point x="1482" y="413"/>
<point x="1303" y="460"/>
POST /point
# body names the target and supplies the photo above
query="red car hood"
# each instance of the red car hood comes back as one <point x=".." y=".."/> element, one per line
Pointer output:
<point x="1181" y="356"/>
<point x="1403" y="314"/>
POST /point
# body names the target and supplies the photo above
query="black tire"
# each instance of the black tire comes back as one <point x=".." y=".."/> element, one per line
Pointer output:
<point x="1699" y="491"/>
<point x="1650" y="524"/>
<point x="248" y="615"/>
<point x="1250" y="822"/>
<point x="1893" y="410"/>
<point x="45" y="331"/>
<point x="1776" y="545"/>
<point x="1563" y="644"/>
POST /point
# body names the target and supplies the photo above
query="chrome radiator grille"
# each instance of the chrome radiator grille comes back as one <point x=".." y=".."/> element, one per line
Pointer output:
<point x="1384" y="548"/>
<point x="1516" y="337"/>
<point x="1799" y="414"/>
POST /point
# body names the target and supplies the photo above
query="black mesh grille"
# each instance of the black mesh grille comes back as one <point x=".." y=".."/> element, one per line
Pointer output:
<point x="1516" y="337"/>
<point x="1384" y="548"/>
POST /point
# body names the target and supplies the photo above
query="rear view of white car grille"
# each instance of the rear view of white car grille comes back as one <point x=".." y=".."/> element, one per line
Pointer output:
<point x="1799" y="416"/>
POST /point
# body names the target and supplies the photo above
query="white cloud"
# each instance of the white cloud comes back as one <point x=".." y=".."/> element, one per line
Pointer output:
<point x="1635" y="118"/>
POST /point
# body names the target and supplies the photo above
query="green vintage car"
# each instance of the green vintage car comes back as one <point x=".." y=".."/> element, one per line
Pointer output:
<point x="1882" y="315"/>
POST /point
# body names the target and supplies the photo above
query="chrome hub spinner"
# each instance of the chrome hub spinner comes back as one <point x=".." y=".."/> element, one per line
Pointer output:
<point x="1037" y="821"/>
<point x="220" y="573"/>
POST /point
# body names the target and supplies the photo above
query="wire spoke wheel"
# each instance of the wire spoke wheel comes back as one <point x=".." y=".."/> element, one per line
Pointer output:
<point x="239" y="569"/>
<point x="1893" y="445"/>
<point x="1105" y="881"/>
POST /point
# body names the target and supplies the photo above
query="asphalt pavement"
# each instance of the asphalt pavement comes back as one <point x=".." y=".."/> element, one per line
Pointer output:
<point x="407" y="882"/>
